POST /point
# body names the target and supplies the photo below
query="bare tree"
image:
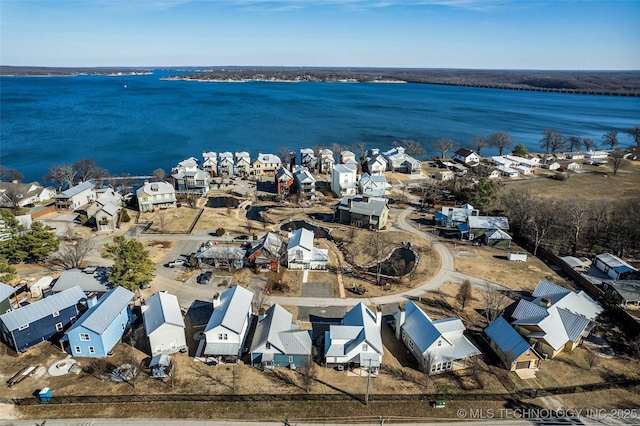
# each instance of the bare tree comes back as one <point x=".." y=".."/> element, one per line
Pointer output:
<point x="444" y="145"/>
<point x="63" y="175"/>
<point x="552" y="140"/>
<point x="610" y="138"/>
<point x="162" y="220"/>
<point x="589" y="144"/>
<point x="260" y="299"/>
<point x="411" y="147"/>
<point x="351" y="234"/>
<point x="478" y="143"/>
<point x="592" y="359"/>
<point x="543" y="220"/>
<point x="634" y="132"/>
<point x="308" y="372"/>
<point x="375" y="248"/>
<point x="464" y="296"/>
<point x="501" y="141"/>
<point x="576" y="210"/>
<point x="10" y="175"/>
<point x="98" y="368"/>
<point x="158" y="175"/>
<point x="509" y="359"/>
<point x="494" y="303"/>
<point x="618" y="161"/>
<point x="574" y="142"/>
<point x="87" y="169"/>
<point x="72" y="252"/>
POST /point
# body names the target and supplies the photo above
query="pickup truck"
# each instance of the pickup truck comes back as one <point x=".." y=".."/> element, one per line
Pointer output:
<point x="177" y="262"/>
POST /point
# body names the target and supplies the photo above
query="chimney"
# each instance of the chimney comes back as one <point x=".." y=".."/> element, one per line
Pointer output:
<point x="379" y="316"/>
<point x="260" y="314"/>
<point x="545" y="302"/>
<point x="92" y="300"/>
<point x="399" y="320"/>
<point x="216" y="300"/>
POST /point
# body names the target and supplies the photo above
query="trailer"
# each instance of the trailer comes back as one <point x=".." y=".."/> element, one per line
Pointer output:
<point x="517" y="256"/>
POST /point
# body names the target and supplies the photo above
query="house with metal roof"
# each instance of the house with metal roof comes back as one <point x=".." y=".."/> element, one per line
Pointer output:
<point x="343" y="179"/>
<point x="627" y="292"/>
<point x="399" y="161"/>
<point x="163" y="324"/>
<point x="266" y="164"/>
<point x="43" y="320"/>
<point x="190" y="178"/>
<point x="372" y="186"/>
<point x="304" y="183"/>
<point x="243" y="163"/>
<point x="100" y="328"/>
<point x="277" y="342"/>
<point x="104" y="212"/>
<point x="227" y="329"/>
<point x="515" y="352"/>
<point x="454" y="216"/>
<point x="497" y="238"/>
<point x="226" y="164"/>
<point x="441" y="344"/>
<point x="6" y="293"/>
<point x="301" y="254"/>
<point x="283" y="181"/>
<point x="266" y="252"/>
<point x="95" y="282"/>
<point x="221" y="256"/>
<point x="308" y="159"/>
<point x="363" y="212"/>
<point x="478" y="226"/>
<point x="156" y="195"/>
<point x="357" y="340"/>
<point x="76" y="196"/>
<point x="615" y="267"/>
<point x="376" y="163"/>
<point x="210" y="162"/>
<point x="556" y="319"/>
<point x="327" y="160"/>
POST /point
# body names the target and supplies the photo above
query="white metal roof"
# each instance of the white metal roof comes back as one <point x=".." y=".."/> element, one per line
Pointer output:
<point x="99" y="317"/>
<point x="615" y="263"/>
<point x="96" y="282"/>
<point x="75" y="190"/>
<point x="488" y="222"/>
<point x="277" y="329"/>
<point x="235" y="306"/>
<point x="161" y="308"/>
<point x="6" y="291"/>
<point x="301" y="237"/>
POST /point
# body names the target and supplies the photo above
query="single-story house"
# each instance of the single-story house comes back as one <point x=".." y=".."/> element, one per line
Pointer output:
<point x="515" y="352"/>
<point x="163" y="324"/>
<point x="508" y="171"/>
<point x="42" y="320"/>
<point x="573" y="166"/>
<point x="99" y="329"/>
<point x="524" y="170"/>
<point x="439" y="345"/>
<point x="478" y="226"/>
<point x="454" y="216"/>
<point x="552" y="166"/>
<point x="466" y="156"/>
<point x="596" y="154"/>
<point x="615" y="267"/>
<point x="363" y="212"/>
<point x="356" y="341"/>
<point x="497" y="238"/>
<point x="221" y="256"/>
<point x="279" y="343"/>
<point x="227" y="329"/>
<point x="301" y="254"/>
<point x="577" y="264"/>
<point x="96" y="282"/>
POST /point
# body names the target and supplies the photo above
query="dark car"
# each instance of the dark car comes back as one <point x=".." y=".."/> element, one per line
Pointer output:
<point x="204" y="278"/>
<point x="241" y="238"/>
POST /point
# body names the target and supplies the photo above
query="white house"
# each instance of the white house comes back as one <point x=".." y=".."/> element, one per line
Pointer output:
<point x="377" y="164"/>
<point x="243" y="163"/>
<point x="76" y="196"/>
<point x="301" y="254"/>
<point x="327" y="161"/>
<point x="227" y="329"/>
<point x="189" y="177"/>
<point x="466" y="156"/>
<point x="154" y="195"/>
<point x="304" y="183"/>
<point x="357" y="340"/>
<point x="552" y="166"/>
<point x="615" y="267"/>
<point x="308" y="158"/>
<point x="524" y="170"/>
<point x="343" y="180"/>
<point x="226" y="166"/>
<point x="453" y="216"/>
<point x="372" y="186"/>
<point x="210" y="162"/>
<point x="596" y="154"/>
<point x="574" y="155"/>
<point x="399" y="161"/>
<point x="508" y="171"/>
<point x="441" y="344"/>
<point x="164" y="324"/>
<point x="21" y="194"/>
<point x="573" y="166"/>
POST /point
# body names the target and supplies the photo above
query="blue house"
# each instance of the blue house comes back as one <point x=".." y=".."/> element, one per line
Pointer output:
<point x="43" y="320"/>
<point x="102" y="326"/>
<point x="279" y="343"/>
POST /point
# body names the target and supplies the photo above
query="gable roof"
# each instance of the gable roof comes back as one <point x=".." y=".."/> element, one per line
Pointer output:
<point x="506" y="338"/>
<point x="235" y="305"/>
<point x="487" y="222"/>
<point x="361" y="316"/>
<point x="497" y="234"/>
<point x="99" y="317"/>
<point x="277" y="329"/>
<point x="75" y="190"/>
<point x="96" y="282"/>
<point x="301" y="237"/>
<point x="615" y="263"/>
<point x="6" y="291"/>
<point x="268" y="159"/>
<point x="464" y="152"/>
<point x="42" y="308"/>
<point x="161" y="308"/>
<point x="155" y="188"/>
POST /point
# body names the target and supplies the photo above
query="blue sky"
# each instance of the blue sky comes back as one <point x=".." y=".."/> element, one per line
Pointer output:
<point x="488" y="34"/>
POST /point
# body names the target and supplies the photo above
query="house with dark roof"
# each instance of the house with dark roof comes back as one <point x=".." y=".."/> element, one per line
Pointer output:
<point x="515" y="352"/>
<point x="466" y="156"/>
<point x="20" y="194"/>
<point x="440" y="343"/>
<point x="363" y="211"/>
<point x="356" y="340"/>
<point x="99" y="329"/>
<point x="556" y="319"/>
<point x="95" y="282"/>
<point x="228" y="326"/>
<point x="283" y="181"/>
<point x="376" y="163"/>
<point x="163" y="324"/>
<point x="304" y="183"/>
<point x="220" y="256"/>
<point x="266" y="252"/>
<point x="277" y="342"/>
<point x="308" y="159"/>
<point x="627" y="292"/>
<point x="43" y="320"/>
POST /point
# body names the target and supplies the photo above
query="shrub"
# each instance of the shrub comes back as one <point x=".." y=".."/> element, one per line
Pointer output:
<point x="220" y="232"/>
<point x="125" y="216"/>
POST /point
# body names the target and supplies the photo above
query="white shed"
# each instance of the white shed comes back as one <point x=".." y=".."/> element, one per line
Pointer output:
<point x="517" y="256"/>
<point x="38" y="286"/>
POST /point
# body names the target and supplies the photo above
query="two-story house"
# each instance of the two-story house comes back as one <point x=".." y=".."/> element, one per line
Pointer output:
<point x="76" y="196"/>
<point x="466" y="156"/>
<point x="343" y="180"/>
<point x="210" y="163"/>
<point x="283" y="181"/>
<point x="164" y="324"/>
<point x="372" y="186"/>
<point x="363" y="212"/>
<point x="104" y="213"/>
<point x="243" y="163"/>
<point x="304" y="184"/>
<point x="301" y="254"/>
<point x="376" y="163"/>
<point x="266" y="164"/>
<point x="226" y="164"/>
<point x="189" y="178"/>
<point x="399" y="161"/>
<point x="155" y="195"/>
<point x="21" y="194"/>
<point x="327" y="161"/>
<point x="308" y="159"/>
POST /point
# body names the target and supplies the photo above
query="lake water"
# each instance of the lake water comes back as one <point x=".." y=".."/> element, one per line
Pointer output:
<point x="135" y="124"/>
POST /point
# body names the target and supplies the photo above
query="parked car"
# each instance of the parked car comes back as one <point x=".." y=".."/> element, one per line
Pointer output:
<point x="177" y="262"/>
<point x="241" y="238"/>
<point x="145" y="285"/>
<point x="205" y="277"/>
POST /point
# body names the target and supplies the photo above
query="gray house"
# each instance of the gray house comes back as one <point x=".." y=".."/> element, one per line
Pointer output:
<point x="363" y="211"/>
<point x="96" y="282"/>
<point x="6" y="292"/>
<point x="279" y="343"/>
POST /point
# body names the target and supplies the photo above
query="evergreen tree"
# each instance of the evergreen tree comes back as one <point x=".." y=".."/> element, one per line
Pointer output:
<point x="483" y="194"/>
<point x="38" y="241"/>
<point x="7" y="272"/>
<point x="520" y="151"/>
<point x="132" y="266"/>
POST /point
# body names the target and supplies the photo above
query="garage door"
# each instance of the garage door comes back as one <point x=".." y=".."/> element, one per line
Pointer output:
<point x="522" y="365"/>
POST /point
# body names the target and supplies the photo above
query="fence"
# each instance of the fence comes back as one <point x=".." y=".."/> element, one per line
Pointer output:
<point x="147" y="229"/>
<point x="520" y="395"/>
<point x="49" y="209"/>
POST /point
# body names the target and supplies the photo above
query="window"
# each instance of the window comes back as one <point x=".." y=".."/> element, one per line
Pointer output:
<point x="122" y="325"/>
<point x="439" y="343"/>
<point x="222" y="336"/>
<point x="268" y="345"/>
<point x="84" y="337"/>
<point x="158" y="349"/>
<point x="528" y="352"/>
<point x="92" y="350"/>
<point x="59" y="326"/>
<point x="22" y="327"/>
<point x="56" y="314"/>
<point x="365" y="347"/>
<point x="72" y="319"/>
<point x="290" y="359"/>
<point x="173" y="345"/>
<point x="77" y="350"/>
